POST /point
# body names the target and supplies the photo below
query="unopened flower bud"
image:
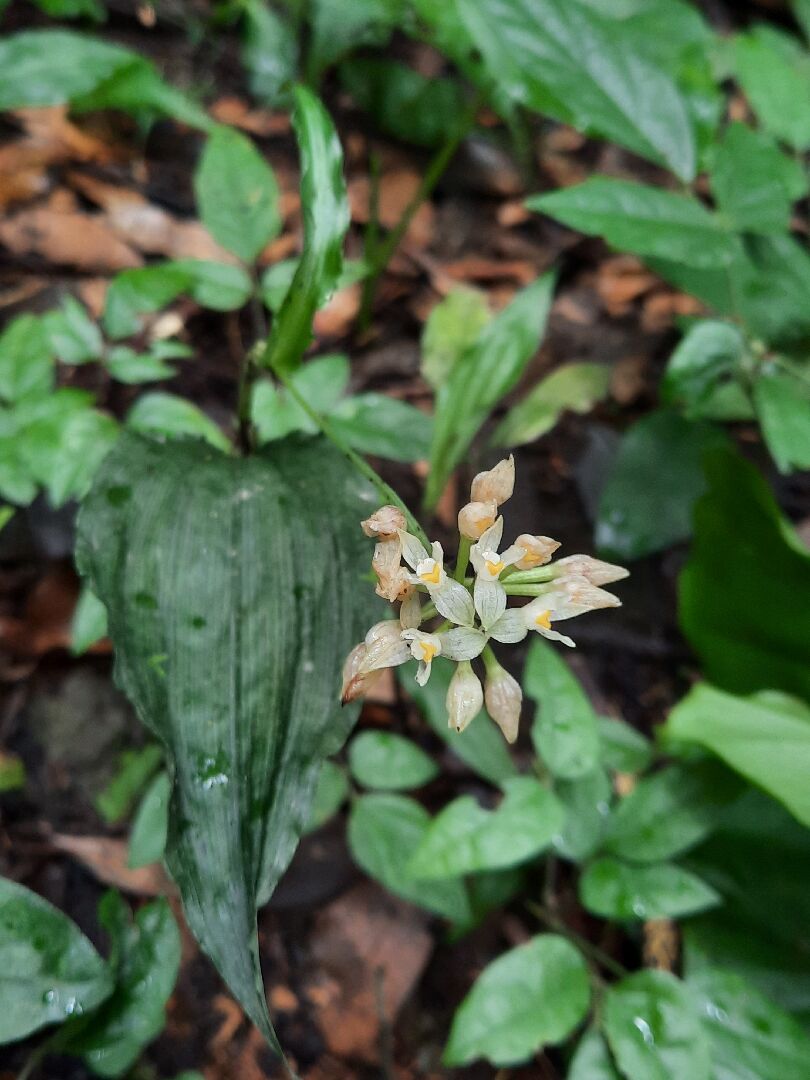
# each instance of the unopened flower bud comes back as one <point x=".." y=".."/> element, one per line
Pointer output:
<point x="538" y="550"/>
<point x="594" y="570"/>
<point x="355" y="682"/>
<point x="384" y="647"/>
<point x="410" y="612"/>
<point x="475" y="518"/>
<point x="384" y="523"/>
<point x="503" y="698"/>
<point x="465" y="697"/>
<point x="386" y="563"/>
<point x="496" y="484"/>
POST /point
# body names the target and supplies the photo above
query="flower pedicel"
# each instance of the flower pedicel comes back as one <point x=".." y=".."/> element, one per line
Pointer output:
<point x="467" y="611"/>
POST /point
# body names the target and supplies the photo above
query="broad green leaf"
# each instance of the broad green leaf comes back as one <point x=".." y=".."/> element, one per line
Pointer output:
<point x="753" y="182"/>
<point x="770" y="289"/>
<point x="237" y="194"/>
<point x="644" y="220"/>
<point x="277" y="279"/>
<point x="326" y="219"/>
<point x="782" y="400"/>
<point x="49" y="971"/>
<point x="337" y="28"/>
<point x="135" y="769"/>
<point x="700" y="378"/>
<point x="26" y="360"/>
<point x="480" y="746"/>
<point x="465" y="838"/>
<point x="575" y="386"/>
<point x="49" y="67"/>
<point x="89" y="623"/>
<point x="150" y="826"/>
<point x="403" y="103"/>
<point x="532" y="996"/>
<point x="216" y="285"/>
<point x="801" y="10"/>
<point x="617" y="890"/>
<point x="774" y="72"/>
<point x="743" y="606"/>
<point x="652" y="1024"/>
<point x="321" y="382"/>
<point x="750" y="1037"/>
<point x="138" y="88"/>
<point x="564" y="732"/>
<point x="592" y="1060"/>
<point x="451" y="328"/>
<point x="568" y="62"/>
<point x="269" y="52"/>
<point x="74" y="337"/>
<point x="387" y="762"/>
<point x="669" y="812"/>
<point x="623" y="748"/>
<point x="331" y="791"/>
<point x="486" y="372"/>
<point x="384" y="831"/>
<point x="225" y="565"/>
<point x="128" y="366"/>
<point x="166" y="415"/>
<point x="64" y="450"/>
<point x="381" y="425"/>
<point x="765" y="737"/>
<point x="586" y="802"/>
<point x="12" y="773"/>
<point x="656" y="478"/>
<point x="146" y="956"/>
<point x="33" y="441"/>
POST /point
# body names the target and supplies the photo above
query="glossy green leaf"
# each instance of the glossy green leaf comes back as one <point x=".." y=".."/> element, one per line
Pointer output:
<point x="135" y="769"/>
<point x="586" y="802"/>
<point x="617" y="890"/>
<point x="700" y="378"/>
<point x="465" y="838"/>
<point x="381" y="425"/>
<point x="269" y="52"/>
<point x="128" y="366"/>
<point x="331" y="791"/>
<point x="321" y="382"/>
<point x="326" y="219"/>
<point x="644" y="220"/>
<point x="74" y="337"/>
<point x="49" y="67"/>
<point x="623" y="748"/>
<point x="166" y="415"/>
<point x="782" y="400"/>
<point x="592" y="1060"/>
<point x="652" y="1024"/>
<point x="568" y="62"/>
<point x="138" y="88"/>
<point x="26" y="360"/>
<point x="753" y="182"/>
<point x="183" y="544"/>
<point x="146" y="959"/>
<point x="765" y="737"/>
<point x="656" y="478"/>
<point x="576" y="386"/>
<point x="237" y="194"/>
<point x="388" y="762"/>
<point x="150" y="826"/>
<point x="564" y="732"/>
<point x="89" y="623"/>
<point x="451" y="328"/>
<point x="49" y="971"/>
<point x="486" y="372"/>
<point x="384" y="832"/>
<point x="64" y="449"/>
<point x="750" y="1037"/>
<point x="338" y="28"/>
<point x="530" y="997"/>
<point x="480" y="746"/>
<point x="743" y="606"/>
<point x="669" y="812"/>
<point x="774" y="72"/>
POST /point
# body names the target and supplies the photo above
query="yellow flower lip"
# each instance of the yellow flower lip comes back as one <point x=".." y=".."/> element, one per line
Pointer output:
<point x="432" y="576"/>
<point x="544" y="620"/>
<point x="428" y="651"/>
<point x="495" y="567"/>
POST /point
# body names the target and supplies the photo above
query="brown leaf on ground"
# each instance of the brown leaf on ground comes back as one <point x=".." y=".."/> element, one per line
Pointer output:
<point x="232" y="1020"/>
<point x="106" y="859"/>
<point x="514" y="212"/>
<point x="45" y="621"/>
<point x="337" y="317"/>
<point x="620" y="281"/>
<point x="397" y="188"/>
<point x="661" y="308"/>
<point x="82" y="241"/>
<point x="661" y="944"/>
<point x="628" y="379"/>
<point x="479" y="268"/>
<point x="369" y="950"/>
<point x="261" y="122"/>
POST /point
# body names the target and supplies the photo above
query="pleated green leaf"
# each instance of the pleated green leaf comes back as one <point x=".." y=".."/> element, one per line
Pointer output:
<point x="234" y="591"/>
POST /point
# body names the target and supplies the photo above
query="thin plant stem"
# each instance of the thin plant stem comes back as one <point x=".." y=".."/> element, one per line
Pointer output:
<point x="553" y="922"/>
<point x="524" y="590"/>
<point x="463" y="559"/>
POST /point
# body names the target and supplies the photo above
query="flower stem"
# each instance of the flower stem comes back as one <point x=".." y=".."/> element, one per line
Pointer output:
<point x="463" y="559"/>
<point x="554" y="922"/>
<point x="524" y="590"/>
<point x="527" y="577"/>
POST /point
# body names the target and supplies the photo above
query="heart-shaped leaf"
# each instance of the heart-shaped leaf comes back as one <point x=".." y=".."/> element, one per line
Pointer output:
<point x="233" y="592"/>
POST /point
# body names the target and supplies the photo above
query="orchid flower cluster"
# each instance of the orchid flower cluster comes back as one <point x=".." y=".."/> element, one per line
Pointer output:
<point x="470" y="611"/>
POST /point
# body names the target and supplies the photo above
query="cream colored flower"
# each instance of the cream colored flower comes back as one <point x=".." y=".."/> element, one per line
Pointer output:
<point x="596" y="571"/>
<point x="450" y="597"/>
<point x="503" y="698"/>
<point x="355" y="682"/>
<point x="424" y="648"/>
<point x="385" y="523"/>
<point x="410" y="611"/>
<point x="386" y="562"/>
<point x="384" y="647"/>
<point x="488" y="593"/>
<point x="537" y="550"/>
<point x="565" y="599"/>
<point x="496" y="484"/>
<point x="475" y="518"/>
<point x="465" y="697"/>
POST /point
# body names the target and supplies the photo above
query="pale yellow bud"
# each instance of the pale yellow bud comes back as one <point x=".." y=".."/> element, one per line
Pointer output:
<point x="503" y="697"/>
<point x="594" y="570"/>
<point x="410" y="612"/>
<point x="496" y="485"/>
<point x="386" y="562"/>
<point x="475" y="518"/>
<point x="355" y="682"/>
<point x="465" y="697"/>
<point x="384" y="523"/>
<point x="538" y="550"/>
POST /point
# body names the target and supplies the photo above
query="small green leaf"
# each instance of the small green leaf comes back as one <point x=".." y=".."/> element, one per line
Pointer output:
<point x="564" y="731"/>
<point x="592" y="1060"/>
<point x="486" y="372"/>
<point x="384" y="832"/>
<point x="617" y="890"/>
<point x="573" y="386"/>
<point x="326" y="219"/>
<point x="26" y="361"/>
<point x="387" y="762"/>
<point x="530" y="997"/>
<point x="652" y="1024"/>
<point x="452" y="327"/>
<point x="75" y="447"/>
<point x="49" y="67"/>
<point x="465" y="838"/>
<point x="331" y="791"/>
<point x="135" y="769"/>
<point x="383" y="426"/>
<point x="586" y="802"/>
<point x="89" y="623"/>
<point x="237" y="194"/>
<point x="669" y="812"/>
<point x="705" y="363"/>
<point x="270" y="51"/>
<point x="782" y="400"/>
<point x="160" y="414"/>
<point x="128" y="366"/>
<point x="74" y="337"/>
<point x="772" y="69"/>
<point x="339" y="28"/>
<point x="321" y="382"/>
<point x="147" y="839"/>
<point x="50" y="971"/>
<point x="641" y="219"/>
<point x="657" y="476"/>
<point x="623" y="748"/>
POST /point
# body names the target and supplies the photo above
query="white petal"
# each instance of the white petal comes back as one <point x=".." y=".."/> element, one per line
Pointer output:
<point x="512" y="555"/>
<point x="410" y="611"/>
<point x="437" y="552"/>
<point x="412" y="551"/>
<point x="453" y="602"/>
<point x="552" y="635"/>
<point x="423" y="672"/>
<point x="463" y="643"/>
<point x="490" y="601"/>
<point x="385" y="647"/>
<point x="491" y="539"/>
<point x="510" y="628"/>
